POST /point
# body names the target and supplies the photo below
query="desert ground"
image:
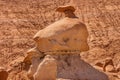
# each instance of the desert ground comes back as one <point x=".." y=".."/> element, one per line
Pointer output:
<point x="20" y="20"/>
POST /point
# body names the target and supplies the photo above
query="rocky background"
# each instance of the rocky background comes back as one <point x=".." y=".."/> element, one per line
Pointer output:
<point x="21" y="19"/>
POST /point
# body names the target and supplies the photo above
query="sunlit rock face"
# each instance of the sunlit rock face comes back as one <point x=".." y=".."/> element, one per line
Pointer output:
<point x="47" y="69"/>
<point x="65" y="34"/>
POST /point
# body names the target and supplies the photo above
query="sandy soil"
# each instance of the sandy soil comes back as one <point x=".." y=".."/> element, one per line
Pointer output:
<point x="21" y="19"/>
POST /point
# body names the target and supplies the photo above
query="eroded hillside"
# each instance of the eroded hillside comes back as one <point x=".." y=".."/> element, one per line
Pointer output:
<point x="21" y="19"/>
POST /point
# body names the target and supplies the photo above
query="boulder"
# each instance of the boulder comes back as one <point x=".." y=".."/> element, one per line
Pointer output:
<point x="65" y="34"/>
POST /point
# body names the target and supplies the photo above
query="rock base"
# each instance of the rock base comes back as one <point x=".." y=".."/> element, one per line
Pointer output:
<point x="71" y="67"/>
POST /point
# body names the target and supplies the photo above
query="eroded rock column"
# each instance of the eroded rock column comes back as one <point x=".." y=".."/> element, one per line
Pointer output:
<point x="61" y="44"/>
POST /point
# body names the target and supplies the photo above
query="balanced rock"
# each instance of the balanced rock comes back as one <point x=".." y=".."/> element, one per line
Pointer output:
<point x="66" y="34"/>
<point x="61" y="43"/>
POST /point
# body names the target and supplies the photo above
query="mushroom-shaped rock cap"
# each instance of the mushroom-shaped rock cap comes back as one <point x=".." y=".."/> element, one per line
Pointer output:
<point x="65" y="8"/>
<point x="66" y="34"/>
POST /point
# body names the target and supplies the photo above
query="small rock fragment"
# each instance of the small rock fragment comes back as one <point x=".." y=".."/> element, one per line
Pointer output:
<point x="110" y="68"/>
<point x="3" y="74"/>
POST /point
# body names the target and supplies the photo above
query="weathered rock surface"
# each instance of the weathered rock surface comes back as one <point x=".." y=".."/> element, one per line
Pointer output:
<point x="73" y="68"/>
<point x="65" y="34"/>
<point x="33" y="67"/>
<point x="68" y="67"/>
<point x="32" y="59"/>
<point x="32" y="54"/>
<point x="47" y="69"/>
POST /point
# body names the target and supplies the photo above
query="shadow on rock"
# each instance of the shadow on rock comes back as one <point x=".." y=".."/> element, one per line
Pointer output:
<point x="72" y="67"/>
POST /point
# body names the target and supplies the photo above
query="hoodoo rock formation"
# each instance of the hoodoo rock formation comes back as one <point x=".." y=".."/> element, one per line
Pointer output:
<point x="57" y="51"/>
<point x="66" y="34"/>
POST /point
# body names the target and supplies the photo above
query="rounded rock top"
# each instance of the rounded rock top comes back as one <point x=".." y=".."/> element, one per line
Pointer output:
<point x="64" y="8"/>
